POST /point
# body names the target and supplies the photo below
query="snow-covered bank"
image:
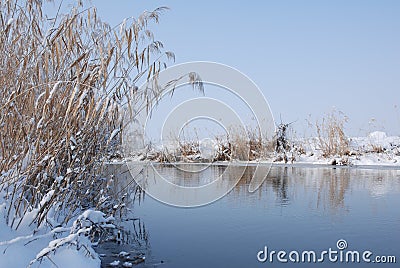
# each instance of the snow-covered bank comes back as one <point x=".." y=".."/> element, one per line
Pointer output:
<point x="56" y="244"/>
<point x="375" y="150"/>
<point x="60" y="246"/>
<point x="44" y="246"/>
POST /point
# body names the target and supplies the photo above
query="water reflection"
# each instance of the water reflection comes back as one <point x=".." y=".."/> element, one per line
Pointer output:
<point x="326" y="187"/>
<point x="130" y="242"/>
<point x="295" y="208"/>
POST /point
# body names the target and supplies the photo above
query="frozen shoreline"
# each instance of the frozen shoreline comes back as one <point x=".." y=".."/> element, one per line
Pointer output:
<point x="255" y="163"/>
<point x="374" y="151"/>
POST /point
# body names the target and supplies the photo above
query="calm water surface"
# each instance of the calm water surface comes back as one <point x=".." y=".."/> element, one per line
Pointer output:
<point x="295" y="209"/>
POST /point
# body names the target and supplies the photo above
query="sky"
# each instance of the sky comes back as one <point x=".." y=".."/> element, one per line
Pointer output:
<point x="307" y="57"/>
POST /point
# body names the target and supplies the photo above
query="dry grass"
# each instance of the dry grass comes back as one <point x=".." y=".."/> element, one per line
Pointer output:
<point x="239" y="144"/>
<point x="331" y="136"/>
<point x="248" y="145"/>
<point x="377" y="149"/>
<point x="63" y="83"/>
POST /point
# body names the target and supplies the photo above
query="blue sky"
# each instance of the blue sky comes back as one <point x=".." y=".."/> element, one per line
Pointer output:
<point x="307" y="57"/>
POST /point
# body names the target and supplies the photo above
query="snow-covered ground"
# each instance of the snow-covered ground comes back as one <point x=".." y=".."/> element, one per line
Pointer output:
<point x="55" y="245"/>
<point x="44" y="247"/>
<point x="377" y="149"/>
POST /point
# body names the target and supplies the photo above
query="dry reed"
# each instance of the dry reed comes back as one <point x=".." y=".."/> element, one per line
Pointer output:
<point x="331" y="136"/>
<point x="63" y="84"/>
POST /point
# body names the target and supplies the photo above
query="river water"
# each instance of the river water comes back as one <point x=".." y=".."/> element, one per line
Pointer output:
<point x="296" y="210"/>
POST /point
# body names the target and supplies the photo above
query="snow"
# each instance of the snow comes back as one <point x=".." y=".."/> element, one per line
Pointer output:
<point x="39" y="98"/>
<point x="377" y="149"/>
<point x="123" y="254"/>
<point x="114" y="263"/>
<point x="10" y="21"/>
<point x="93" y="215"/>
<point x="377" y="136"/>
<point x="52" y="92"/>
<point x="47" y="157"/>
<point x="69" y="258"/>
<point x="40" y="124"/>
<point x="208" y="148"/>
<point x="127" y="264"/>
<point x="114" y="133"/>
<point x="46" y="198"/>
<point x="21" y="251"/>
<point x="25" y="247"/>
<point x="59" y="179"/>
<point x="73" y="140"/>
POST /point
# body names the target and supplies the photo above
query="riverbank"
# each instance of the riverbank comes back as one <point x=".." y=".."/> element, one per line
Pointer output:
<point x="377" y="150"/>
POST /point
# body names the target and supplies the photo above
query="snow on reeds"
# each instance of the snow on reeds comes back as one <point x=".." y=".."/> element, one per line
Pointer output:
<point x="63" y="84"/>
<point x="239" y="144"/>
